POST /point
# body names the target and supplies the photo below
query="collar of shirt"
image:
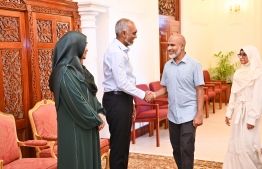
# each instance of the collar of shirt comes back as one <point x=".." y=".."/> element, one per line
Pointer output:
<point x="185" y="58"/>
<point x="121" y="46"/>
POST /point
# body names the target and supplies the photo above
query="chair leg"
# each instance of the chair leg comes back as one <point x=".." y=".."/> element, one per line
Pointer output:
<point x="214" y="105"/>
<point x="151" y="129"/>
<point x="166" y="123"/>
<point x="207" y="107"/>
<point x="220" y="100"/>
<point x="157" y="133"/>
<point x="106" y="156"/>
<point x="225" y="97"/>
<point x="133" y="133"/>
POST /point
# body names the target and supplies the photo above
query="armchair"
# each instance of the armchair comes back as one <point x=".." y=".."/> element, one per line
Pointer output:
<point x="43" y="119"/>
<point x="10" y="153"/>
<point x="147" y="112"/>
<point x="44" y="125"/>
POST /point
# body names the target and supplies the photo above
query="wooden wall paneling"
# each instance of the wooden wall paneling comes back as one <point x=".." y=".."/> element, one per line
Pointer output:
<point x="169" y="24"/>
<point x="14" y="69"/>
<point x="29" y="30"/>
<point x="48" y="30"/>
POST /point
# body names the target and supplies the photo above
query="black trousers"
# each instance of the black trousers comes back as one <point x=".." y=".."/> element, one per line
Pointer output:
<point x="182" y="138"/>
<point x="119" y="110"/>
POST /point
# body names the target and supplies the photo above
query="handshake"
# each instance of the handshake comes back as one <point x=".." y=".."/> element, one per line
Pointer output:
<point x="150" y="96"/>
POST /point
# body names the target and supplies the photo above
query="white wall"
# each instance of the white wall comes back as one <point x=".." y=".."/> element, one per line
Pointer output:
<point x="210" y="27"/>
<point x="144" y="53"/>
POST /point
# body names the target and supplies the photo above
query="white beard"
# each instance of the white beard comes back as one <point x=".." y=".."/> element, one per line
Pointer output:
<point x="173" y="56"/>
<point x="129" y="44"/>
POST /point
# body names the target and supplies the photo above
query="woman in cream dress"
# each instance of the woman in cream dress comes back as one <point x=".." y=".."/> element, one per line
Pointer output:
<point x="246" y="104"/>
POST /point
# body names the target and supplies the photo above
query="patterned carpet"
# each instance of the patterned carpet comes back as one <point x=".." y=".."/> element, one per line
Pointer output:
<point x="149" y="161"/>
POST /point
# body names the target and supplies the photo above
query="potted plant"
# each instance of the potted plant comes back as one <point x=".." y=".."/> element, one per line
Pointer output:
<point x="224" y="67"/>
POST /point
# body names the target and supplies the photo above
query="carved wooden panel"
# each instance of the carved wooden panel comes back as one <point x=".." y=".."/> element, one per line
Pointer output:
<point x="9" y="29"/>
<point x="44" y="31"/>
<point x="166" y="7"/>
<point x="45" y="69"/>
<point x="49" y="29"/>
<point x="12" y="82"/>
<point x="61" y="29"/>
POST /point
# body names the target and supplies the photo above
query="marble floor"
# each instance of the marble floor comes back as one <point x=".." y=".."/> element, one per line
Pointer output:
<point x="211" y="139"/>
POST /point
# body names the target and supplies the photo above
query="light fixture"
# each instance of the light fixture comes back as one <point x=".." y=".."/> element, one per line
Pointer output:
<point x="234" y="7"/>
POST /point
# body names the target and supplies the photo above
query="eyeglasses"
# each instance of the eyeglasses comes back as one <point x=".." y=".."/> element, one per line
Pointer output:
<point x="241" y="55"/>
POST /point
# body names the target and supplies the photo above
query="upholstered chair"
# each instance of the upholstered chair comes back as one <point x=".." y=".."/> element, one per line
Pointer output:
<point x="10" y="153"/>
<point x="219" y="87"/>
<point x="162" y="101"/>
<point x="148" y="112"/>
<point x="43" y="119"/>
<point x="44" y="124"/>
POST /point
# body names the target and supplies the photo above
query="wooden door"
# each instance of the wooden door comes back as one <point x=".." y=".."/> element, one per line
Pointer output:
<point x="14" y="91"/>
<point x="167" y="26"/>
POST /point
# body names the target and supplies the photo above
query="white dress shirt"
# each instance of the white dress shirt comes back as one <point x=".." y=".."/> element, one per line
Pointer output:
<point x="118" y="71"/>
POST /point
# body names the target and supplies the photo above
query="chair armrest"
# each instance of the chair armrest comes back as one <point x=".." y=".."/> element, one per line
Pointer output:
<point x="222" y="81"/>
<point x="210" y="86"/>
<point x="215" y="83"/>
<point x="161" y="100"/>
<point x="46" y="137"/>
<point x="33" y="143"/>
<point x="1" y="164"/>
<point x="39" y="143"/>
<point x="49" y="137"/>
<point x="148" y="104"/>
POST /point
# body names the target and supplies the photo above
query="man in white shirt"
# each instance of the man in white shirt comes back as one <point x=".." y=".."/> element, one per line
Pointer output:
<point x="119" y="89"/>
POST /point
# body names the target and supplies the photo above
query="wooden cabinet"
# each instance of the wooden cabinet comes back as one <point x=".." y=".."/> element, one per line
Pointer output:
<point x="29" y="30"/>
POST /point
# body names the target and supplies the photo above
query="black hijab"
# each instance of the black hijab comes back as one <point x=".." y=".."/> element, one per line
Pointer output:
<point x="67" y="52"/>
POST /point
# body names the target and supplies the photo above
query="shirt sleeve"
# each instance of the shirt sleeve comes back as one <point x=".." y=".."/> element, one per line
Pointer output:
<point x="120" y="76"/>
<point x="231" y="105"/>
<point x="76" y="102"/>
<point x="198" y="75"/>
<point x="255" y="106"/>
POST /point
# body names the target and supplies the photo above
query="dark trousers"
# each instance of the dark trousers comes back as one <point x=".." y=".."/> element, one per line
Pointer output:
<point x="182" y="138"/>
<point x="119" y="110"/>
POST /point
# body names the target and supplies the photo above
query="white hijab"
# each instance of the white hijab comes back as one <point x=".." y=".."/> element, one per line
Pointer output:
<point x="248" y="73"/>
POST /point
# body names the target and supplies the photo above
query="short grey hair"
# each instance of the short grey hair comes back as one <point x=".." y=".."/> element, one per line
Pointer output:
<point x="122" y="25"/>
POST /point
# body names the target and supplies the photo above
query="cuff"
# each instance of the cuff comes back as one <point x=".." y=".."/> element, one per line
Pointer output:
<point x="251" y="121"/>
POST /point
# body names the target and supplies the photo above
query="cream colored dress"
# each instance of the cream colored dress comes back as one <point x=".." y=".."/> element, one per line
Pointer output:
<point x="245" y="145"/>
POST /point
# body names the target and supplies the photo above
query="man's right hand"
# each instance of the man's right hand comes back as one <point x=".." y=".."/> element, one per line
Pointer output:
<point x="150" y="96"/>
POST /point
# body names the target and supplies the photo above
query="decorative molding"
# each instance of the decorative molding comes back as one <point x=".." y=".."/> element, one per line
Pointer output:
<point x="9" y="29"/>
<point x="92" y="6"/>
<point x="32" y="51"/>
<point x="12" y="82"/>
<point x="13" y="5"/>
<point x="52" y="11"/>
<point x="45" y="68"/>
<point x="166" y="7"/>
<point x="88" y="11"/>
<point x="77" y="21"/>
